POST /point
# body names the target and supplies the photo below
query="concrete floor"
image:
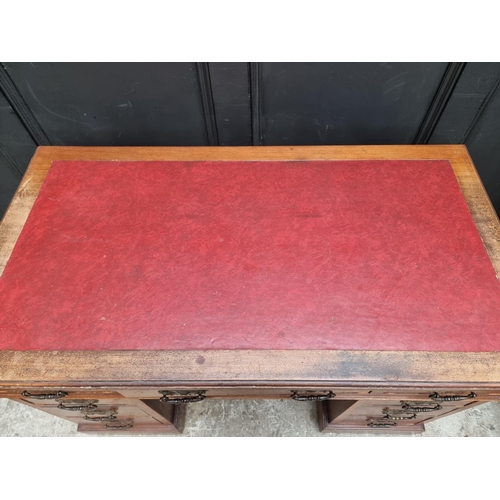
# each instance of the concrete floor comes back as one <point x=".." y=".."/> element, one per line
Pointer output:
<point x="248" y="418"/>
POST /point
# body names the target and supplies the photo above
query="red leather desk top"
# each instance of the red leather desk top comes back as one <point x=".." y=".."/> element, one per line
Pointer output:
<point x="362" y="255"/>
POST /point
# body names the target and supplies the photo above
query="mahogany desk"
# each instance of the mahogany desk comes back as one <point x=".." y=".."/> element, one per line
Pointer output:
<point x="138" y="281"/>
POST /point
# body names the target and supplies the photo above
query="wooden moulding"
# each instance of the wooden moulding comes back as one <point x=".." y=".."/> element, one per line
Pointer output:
<point x="261" y="368"/>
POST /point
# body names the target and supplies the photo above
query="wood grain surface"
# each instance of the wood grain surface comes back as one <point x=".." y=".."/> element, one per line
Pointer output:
<point x="236" y="367"/>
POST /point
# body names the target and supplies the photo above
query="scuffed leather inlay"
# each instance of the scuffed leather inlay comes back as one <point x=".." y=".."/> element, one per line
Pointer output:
<point x="362" y="255"/>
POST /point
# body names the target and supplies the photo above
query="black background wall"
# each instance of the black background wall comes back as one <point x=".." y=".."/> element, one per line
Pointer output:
<point x="232" y="104"/>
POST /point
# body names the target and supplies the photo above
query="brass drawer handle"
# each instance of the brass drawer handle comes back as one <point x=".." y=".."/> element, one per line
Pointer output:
<point x="182" y="400"/>
<point x="313" y="397"/>
<point x="119" y="424"/>
<point x="392" y="416"/>
<point x="89" y="406"/>
<point x="56" y="395"/>
<point x="380" y="425"/>
<point x="104" y="418"/>
<point x="420" y="409"/>
<point x="436" y="397"/>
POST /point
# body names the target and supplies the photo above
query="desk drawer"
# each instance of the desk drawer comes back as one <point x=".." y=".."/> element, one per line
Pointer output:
<point x="245" y="392"/>
<point x="101" y="408"/>
<point x="437" y="394"/>
<point x="122" y="424"/>
<point x="51" y="396"/>
<point x="150" y="417"/>
<point x="108" y="422"/>
<point x="127" y="427"/>
<point x="389" y="413"/>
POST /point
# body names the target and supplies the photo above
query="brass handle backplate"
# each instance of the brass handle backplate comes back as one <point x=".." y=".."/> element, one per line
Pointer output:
<point x="312" y="397"/>
<point x="87" y="406"/>
<point x="437" y="397"/>
<point x="119" y="424"/>
<point x="100" y="418"/>
<point x="200" y="396"/>
<point x="399" y="416"/>
<point x="381" y="424"/>
<point x="55" y="395"/>
<point x="419" y="409"/>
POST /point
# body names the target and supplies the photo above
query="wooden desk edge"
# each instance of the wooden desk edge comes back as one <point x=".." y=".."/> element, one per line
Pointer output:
<point x="349" y="367"/>
<point x="240" y="367"/>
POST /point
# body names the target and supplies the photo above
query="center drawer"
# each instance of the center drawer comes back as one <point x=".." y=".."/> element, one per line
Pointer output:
<point x="290" y="392"/>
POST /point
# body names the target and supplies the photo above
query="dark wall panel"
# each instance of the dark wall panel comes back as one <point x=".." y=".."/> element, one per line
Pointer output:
<point x="231" y="93"/>
<point x="346" y="103"/>
<point x="243" y="103"/>
<point x="9" y="181"/>
<point x="16" y="150"/>
<point x="137" y="104"/>
<point x="472" y="92"/>
<point x="484" y="147"/>
<point x="15" y="142"/>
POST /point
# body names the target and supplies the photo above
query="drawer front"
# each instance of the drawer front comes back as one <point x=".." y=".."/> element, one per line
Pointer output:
<point x="310" y="393"/>
<point x="113" y="415"/>
<point x="168" y="419"/>
<point x="75" y="411"/>
<point x="359" y="412"/>
<point x="121" y="425"/>
<point x="51" y="397"/>
<point x="353" y="415"/>
<point x="388" y="414"/>
<point x="439" y="395"/>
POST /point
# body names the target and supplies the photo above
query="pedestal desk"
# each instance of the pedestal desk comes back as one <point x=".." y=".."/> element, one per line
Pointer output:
<point x="138" y="281"/>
